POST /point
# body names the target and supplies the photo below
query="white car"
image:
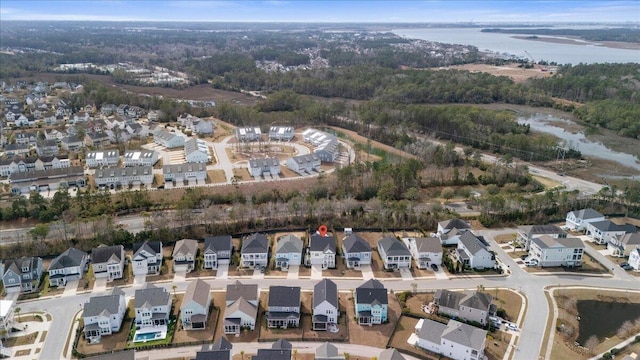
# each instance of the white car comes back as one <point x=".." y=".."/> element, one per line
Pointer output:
<point x="512" y="326"/>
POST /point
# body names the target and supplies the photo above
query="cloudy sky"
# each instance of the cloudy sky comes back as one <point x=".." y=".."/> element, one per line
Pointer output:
<point x="326" y="11"/>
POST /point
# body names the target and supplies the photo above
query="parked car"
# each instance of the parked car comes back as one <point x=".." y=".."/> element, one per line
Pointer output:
<point x="626" y="266"/>
<point x="532" y="262"/>
<point x="524" y="257"/>
<point x="434" y="267"/>
<point x="512" y="326"/>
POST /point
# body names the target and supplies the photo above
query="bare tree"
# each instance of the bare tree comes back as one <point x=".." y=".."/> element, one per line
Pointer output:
<point x="591" y="344"/>
<point x="625" y="329"/>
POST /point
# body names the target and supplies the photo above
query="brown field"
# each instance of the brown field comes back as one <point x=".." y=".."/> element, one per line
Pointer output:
<point x="363" y="140"/>
<point x="21" y="340"/>
<point x="377" y="335"/>
<point x="216" y="176"/>
<point x="242" y="174"/>
<point x="511" y="70"/>
<point x="182" y="336"/>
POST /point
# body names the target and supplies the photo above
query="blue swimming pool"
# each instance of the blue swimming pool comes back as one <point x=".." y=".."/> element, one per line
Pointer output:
<point x="147" y="336"/>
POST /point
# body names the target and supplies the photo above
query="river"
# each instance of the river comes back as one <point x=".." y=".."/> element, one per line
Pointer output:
<point x="507" y="43"/>
<point x="576" y="140"/>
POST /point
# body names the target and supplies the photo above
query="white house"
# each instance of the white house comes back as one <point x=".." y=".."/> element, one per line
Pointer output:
<point x="241" y="307"/>
<point x="140" y="158"/>
<point x="288" y="252"/>
<point x="6" y="314"/>
<point x="454" y="340"/>
<point x="168" y="140"/>
<point x="152" y="307"/>
<point x="356" y="251"/>
<point x="474" y="253"/>
<point x="108" y="262"/>
<point x="529" y="232"/>
<point x="96" y="159"/>
<point x="602" y="231"/>
<point x="305" y="164"/>
<point x="470" y="305"/>
<point x="68" y="266"/>
<point x="260" y="167"/>
<point x="623" y="244"/>
<point x="328" y="151"/>
<point x="217" y="250"/>
<point x="425" y="251"/>
<point x="448" y="225"/>
<point x="184" y="255"/>
<point x="71" y="143"/>
<point x="124" y="176"/>
<point x="578" y="219"/>
<point x="194" y="310"/>
<point x="255" y="252"/>
<point x="200" y="126"/>
<point x="634" y="258"/>
<point x="322" y="250"/>
<point x="103" y="315"/>
<point x="550" y="251"/>
<point x="394" y="253"/>
<point x="147" y="258"/>
<point x="194" y="153"/>
<point x="185" y="172"/>
<point x="282" y="133"/>
<point x="248" y="133"/>
<point x="325" y="304"/>
<point x="283" y="307"/>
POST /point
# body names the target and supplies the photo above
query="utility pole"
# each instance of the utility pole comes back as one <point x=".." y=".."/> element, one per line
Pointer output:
<point x="562" y="152"/>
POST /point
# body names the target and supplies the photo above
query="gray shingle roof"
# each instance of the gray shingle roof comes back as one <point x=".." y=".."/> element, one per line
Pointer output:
<point x="150" y="296"/>
<point x="272" y="354"/>
<point x="454" y="223"/>
<point x="326" y="350"/>
<point x="390" y="354"/>
<point x="428" y="245"/>
<point x="282" y="344"/>
<point x="289" y="244"/>
<point x="325" y="290"/>
<point x="107" y="304"/>
<point x="284" y="296"/>
<point x="542" y="229"/>
<point x="431" y="331"/>
<point x="630" y="239"/>
<point x="588" y="213"/>
<point x="464" y="334"/>
<point x="393" y="247"/>
<point x="115" y="171"/>
<point x="472" y="299"/>
<point x="69" y="258"/>
<point x="104" y="253"/>
<point x="237" y="290"/>
<point x="472" y="243"/>
<point x="217" y="243"/>
<point x="354" y="243"/>
<point x="608" y="225"/>
<point x="243" y="306"/>
<point x="371" y="291"/>
<point x="255" y="244"/>
<point x="152" y="247"/>
<point x="197" y="291"/>
<point x="322" y="243"/>
<point x="546" y="242"/>
<point x="185" y="246"/>
<point x="263" y="163"/>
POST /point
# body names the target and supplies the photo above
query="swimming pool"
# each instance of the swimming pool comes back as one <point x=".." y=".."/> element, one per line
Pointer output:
<point x="148" y="336"/>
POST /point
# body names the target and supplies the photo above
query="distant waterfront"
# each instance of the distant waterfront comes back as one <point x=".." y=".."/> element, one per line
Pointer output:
<point x="506" y="43"/>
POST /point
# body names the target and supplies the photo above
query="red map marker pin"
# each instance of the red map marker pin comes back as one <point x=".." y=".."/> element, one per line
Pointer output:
<point x="323" y="230"/>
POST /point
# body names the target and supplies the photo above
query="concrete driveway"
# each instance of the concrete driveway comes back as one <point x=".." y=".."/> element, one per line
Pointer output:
<point x="100" y="285"/>
<point x="139" y="280"/>
<point x="223" y="271"/>
<point x="406" y="274"/>
<point x="257" y="274"/>
<point x="179" y="276"/>
<point x="292" y="273"/>
<point x="440" y="274"/>
<point x="367" y="272"/>
<point x="316" y="272"/>
<point x="71" y="288"/>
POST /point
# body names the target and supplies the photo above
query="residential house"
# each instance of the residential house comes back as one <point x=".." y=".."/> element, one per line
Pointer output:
<point x="288" y="251"/>
<point x="264" y="167"/>
<point x="529" y="232"/>
<point x="152" y="306"/>
<point x="390" y="354"/>
<point x="322" y="251"/>
<point x="53" y="134"/>
<point x="168" y="140"/>
<point x="71" y="143"/>
<point x="325" y="304"/>
<point x="124" y="176"/>
<point x="371" y="303"/>
<point x="425" y="251"/>
<point x="623" y="244"/>
<point x="578" y="219"/>
<point x="16" y="149"/>
<point x="108" y="262"/>
<point x="248" y="133"/>
<point x="219" y="350"/>
<point x="255" y="252"/>
<point x="108" y="109"/>
<point x="328" y="351"/>
<point x="549" y="251"/>
<point x="147" y="258"/>
<point x="184" y="172"/>
<point x="154" y="115"/>
<point x="281" y="133"/>
<point x="394" y="253"/>
<point x="68" y="266"/>
<point x="140" y="158"/>
<point x="602" y="231"/>
<point x="194" y="310"/>
<point x="22" y="274"/>
<point x="200" y="126"/>
<point x="356" y="251"/>
<point x="452" y="237"/>
<point x="471" y="305"/>
<point x="448" y="225"/>
<point x="328" y="151"/>
<point x="48" y="179"/>
<point x="96" y="139"/>
<point x="6" y="315"/>
<point x="95" y="159"/>
<point x="103" y="315"/>
<point x="454" y="340"/>
<point x="283" y="307"/>
<point x="634" y="258"/>
<point x="54" y="162"/>
<point x="241" y="307"/>
<point x="217" y="250"/>
<point x="280" y="350"/>
<point x="194" y="153"/>
<point x="184" y="255"/>
<point x="47" y="147"/>
<point x="473" y="252"/>
<point x="305" y="164"/>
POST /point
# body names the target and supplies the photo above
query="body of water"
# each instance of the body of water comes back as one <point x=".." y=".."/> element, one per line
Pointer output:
<point x="507" y="43"/>
<point x="578" y="141"/>
<point x="603" y="319"/>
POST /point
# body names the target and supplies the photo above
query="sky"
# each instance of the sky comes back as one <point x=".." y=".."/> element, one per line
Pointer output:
<point x="478" y="11"/>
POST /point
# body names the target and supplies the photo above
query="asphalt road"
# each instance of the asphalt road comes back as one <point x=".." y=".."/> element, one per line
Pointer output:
<point x="63" y="309"/>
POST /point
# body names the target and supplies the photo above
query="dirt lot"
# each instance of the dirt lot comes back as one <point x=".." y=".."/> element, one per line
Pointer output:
<point x="117" y="341"/>
<point x="375" y="335"/>
<point x="216" y="176"/>
<point x="511" y="70"/>
<point x="182" y="336"/>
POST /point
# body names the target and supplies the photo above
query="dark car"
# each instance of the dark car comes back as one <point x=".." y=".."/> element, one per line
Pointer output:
<point x="434" y="267"/>
<point x="626" y="266"/>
